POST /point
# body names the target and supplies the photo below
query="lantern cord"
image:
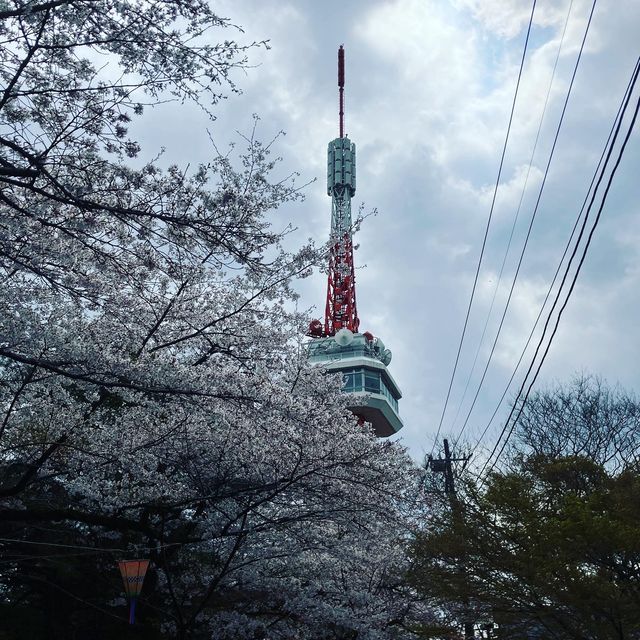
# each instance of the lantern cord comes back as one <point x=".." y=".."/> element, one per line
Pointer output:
<point x="75" y="546"/>
<point x="88" y="603"/>
<point x="49" y="556"/>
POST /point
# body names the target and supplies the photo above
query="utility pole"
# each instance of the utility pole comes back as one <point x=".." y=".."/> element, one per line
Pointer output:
<point x="449" y="484"/>
<point x="439" y="465"/>
<point x="444" y="466"/>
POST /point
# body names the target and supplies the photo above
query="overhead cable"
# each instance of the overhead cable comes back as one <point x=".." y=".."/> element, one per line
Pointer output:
<point x="560" y="263"/>
<point x="506" y="254"/>
<point x="519" y="405"/>
<point x="486" y="232"/>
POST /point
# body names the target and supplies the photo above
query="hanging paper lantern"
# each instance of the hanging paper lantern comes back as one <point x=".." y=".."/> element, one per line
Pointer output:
<point x="133" y="572"/>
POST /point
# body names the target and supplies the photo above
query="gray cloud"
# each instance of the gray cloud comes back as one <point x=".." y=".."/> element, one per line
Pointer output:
<point x="429" y="88"/>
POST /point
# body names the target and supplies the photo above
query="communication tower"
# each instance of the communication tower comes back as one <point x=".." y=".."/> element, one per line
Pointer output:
<point x="337" y="344"/>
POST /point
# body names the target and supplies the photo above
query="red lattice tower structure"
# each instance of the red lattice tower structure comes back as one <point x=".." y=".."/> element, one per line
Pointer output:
<point x="340" y="310"/>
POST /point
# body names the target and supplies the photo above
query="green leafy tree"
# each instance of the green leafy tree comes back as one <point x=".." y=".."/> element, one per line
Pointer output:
<point x="549" y="547"/>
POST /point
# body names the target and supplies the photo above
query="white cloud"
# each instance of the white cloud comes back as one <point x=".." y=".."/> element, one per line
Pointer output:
<point x="507" y="19"/>
<point x="429" y="89"/>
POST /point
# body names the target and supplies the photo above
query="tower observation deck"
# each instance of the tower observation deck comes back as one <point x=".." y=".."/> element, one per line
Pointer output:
<point x="337" y="344"/>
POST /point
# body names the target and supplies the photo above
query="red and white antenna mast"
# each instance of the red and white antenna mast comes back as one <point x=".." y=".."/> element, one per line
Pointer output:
<point x="340" y="311"/>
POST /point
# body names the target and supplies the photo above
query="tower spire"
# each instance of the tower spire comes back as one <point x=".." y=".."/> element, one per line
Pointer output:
<point x="341" y="88"/>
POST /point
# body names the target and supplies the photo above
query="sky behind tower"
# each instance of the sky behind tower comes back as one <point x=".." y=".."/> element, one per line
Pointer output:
<point x="429" y="87"/>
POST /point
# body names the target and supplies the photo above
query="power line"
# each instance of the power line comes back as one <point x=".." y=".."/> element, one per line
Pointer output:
<point x="564" y="254"/>
<point x="522" y="404"/>
<point x="513" y="227"/>
<point x="486" y="232"/>
<point x="535" y="210"/>
<point x="573" y="283"/>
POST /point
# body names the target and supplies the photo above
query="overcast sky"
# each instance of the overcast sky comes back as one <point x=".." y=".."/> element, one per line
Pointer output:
<point x="428" y="93"/>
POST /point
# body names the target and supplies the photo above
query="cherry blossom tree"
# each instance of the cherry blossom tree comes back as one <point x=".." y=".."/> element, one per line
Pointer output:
<point x="155" y="394"/>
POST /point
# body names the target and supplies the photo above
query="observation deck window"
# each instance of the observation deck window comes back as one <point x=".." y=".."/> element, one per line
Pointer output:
<point x="372" y="382"/>
<point x="369" y="381"/>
